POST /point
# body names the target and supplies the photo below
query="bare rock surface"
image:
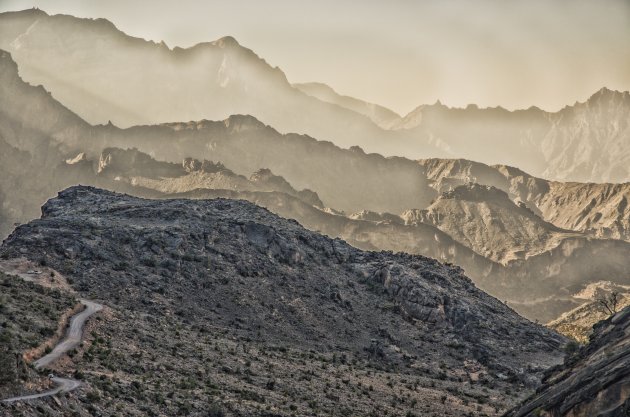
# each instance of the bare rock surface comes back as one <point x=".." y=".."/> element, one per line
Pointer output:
<point x="593" y="382"/>
<point x="599" y="210"/>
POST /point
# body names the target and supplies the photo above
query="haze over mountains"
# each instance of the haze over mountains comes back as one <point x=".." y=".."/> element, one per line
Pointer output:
<point x="102" y="74"/>
<point x="522" y="240"/>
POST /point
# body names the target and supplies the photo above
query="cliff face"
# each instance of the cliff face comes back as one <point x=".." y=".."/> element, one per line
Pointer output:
<point x="593" y="382"/>
<point x="162" y="265"/>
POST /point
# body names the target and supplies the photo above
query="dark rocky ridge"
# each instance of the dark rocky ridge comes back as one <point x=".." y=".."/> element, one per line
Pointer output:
<point x="593" y="382"/>
<point x="236" y="265"/>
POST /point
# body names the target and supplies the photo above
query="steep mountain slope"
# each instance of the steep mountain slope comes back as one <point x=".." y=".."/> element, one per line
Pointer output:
<point x="594" y="382"/>
<point x="250" y="298"/>
<point x="596" y="209"/>
<point x="589" y="141"/>
<point x="380" y="115"/>
<point x="35" y="131"/>
<point x="484" y="219"/>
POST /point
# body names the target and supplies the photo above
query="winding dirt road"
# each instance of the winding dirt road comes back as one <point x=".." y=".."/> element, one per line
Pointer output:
<point x="69" y="342"/>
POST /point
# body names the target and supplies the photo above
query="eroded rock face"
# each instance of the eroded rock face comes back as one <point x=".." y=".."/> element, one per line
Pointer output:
<point x="599" y="210"/>
<point x="593" y="382"/>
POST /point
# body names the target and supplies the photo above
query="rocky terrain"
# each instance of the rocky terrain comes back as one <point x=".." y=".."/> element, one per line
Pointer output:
<point x="599" y="210"/>
<point x="593" y="382"/>
<point x="30" y="315"/>
<point x="131" y="81"/>
<point x="484" y="219"/>
<point x="208" y="303"/>
<point x="138" y="170"/>
<point x="233" y="305"/>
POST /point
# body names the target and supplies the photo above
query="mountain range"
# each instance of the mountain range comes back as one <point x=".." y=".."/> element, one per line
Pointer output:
<point x="105" y="75"/>
<point x="521" y="238"/>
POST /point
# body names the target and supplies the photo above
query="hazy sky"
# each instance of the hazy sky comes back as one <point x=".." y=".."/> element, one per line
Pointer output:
<point x="402" y="53"/>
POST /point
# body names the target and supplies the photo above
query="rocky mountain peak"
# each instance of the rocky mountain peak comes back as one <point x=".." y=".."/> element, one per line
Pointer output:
<point x="226" y="42"/>
<point x="608" y="103"/>
<point x="243" y="122"/>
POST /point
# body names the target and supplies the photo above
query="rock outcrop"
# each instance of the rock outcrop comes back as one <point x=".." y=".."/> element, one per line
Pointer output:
<point x="593" y="382"/>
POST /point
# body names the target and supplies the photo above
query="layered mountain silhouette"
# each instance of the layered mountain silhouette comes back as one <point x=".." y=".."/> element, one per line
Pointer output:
<point x="494" y="229"/>
<point x="103" y="74"/>
<point x="599" y="210"/>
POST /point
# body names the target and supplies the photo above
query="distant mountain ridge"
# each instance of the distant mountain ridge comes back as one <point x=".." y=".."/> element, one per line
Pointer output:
<point x="600" y="210"/>
<point x="380" y="115"/>
<point x="112" y="76"/>
<point x="130" y="81"/>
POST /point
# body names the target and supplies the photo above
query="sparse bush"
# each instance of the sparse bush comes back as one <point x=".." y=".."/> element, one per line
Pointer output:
<point x="571" y="347"/>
